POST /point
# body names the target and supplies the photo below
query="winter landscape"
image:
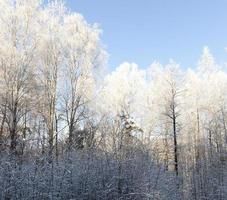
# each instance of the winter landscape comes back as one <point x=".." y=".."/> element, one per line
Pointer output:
<point x="74" y="126"/>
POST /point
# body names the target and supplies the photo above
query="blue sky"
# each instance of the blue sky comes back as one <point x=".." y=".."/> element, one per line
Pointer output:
<point x="142" y="31"/>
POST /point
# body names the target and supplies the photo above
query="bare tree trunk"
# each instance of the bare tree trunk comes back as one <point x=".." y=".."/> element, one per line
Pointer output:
<point x="56" y="138"/>
<point x="175" y="143"/>
<point x="166" y="146"/>
<point x="2" y="126"/>
<point x="51" y="145"/>
<point x="13" y="130"/>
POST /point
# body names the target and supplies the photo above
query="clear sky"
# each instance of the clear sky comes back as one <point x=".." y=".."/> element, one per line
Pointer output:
<point x="142" y="31"/>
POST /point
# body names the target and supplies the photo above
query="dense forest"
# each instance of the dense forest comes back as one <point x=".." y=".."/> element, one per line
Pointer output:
<point x="69" y="130"/>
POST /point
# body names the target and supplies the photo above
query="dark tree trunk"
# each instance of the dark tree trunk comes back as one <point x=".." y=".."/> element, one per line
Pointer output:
<point x="175" y="144"/>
